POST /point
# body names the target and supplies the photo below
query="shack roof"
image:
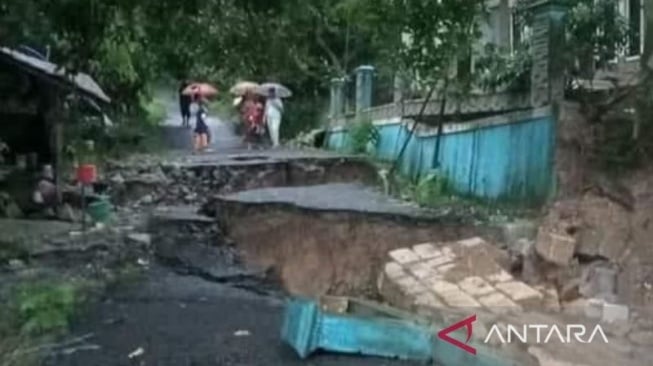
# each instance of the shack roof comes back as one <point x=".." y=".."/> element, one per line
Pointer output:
<point x="53" y="73"/>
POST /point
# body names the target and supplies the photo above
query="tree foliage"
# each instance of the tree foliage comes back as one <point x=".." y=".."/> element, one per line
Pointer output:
<point x="127" y="45"/>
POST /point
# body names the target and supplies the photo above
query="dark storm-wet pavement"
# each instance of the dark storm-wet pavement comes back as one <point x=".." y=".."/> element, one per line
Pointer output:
<point x="184" y="321"/>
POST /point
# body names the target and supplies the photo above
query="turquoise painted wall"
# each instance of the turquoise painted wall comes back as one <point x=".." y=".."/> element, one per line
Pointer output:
<point x="511" y="162"/>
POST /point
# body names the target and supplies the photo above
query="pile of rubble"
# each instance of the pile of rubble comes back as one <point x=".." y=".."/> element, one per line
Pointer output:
<point x="464" y="275"/>
<point x="176" y="184"/>
<point x="448" y="282"/>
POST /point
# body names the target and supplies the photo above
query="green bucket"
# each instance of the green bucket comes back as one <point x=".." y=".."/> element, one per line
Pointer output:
<point x="100" y="211"/>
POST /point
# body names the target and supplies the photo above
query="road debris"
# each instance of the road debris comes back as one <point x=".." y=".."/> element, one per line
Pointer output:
<point x="136" y="353"/>
<point x="242" y="333"/>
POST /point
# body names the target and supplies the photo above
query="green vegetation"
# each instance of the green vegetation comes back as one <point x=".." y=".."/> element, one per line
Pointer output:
<point x="363" y="137"/>
<point x="35" y="313"/>
<point x="45" y="307"/>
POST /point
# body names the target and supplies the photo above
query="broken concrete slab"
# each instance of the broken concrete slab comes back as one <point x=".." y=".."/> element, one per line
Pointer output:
<point x="140" y="238"/>
<point x="599" y="280"/>
<point x="555" y="248"/>
<point x="615" y="313"/>
<point x="452" y="280"/>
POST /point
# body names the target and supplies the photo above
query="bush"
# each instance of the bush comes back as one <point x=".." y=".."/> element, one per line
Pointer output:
<point x="363" y="136"/>
<point x="431" y="189"/>
<point x="46" y="307"/>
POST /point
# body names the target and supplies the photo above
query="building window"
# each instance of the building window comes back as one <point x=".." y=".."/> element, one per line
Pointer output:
<point x="633" y="11"/>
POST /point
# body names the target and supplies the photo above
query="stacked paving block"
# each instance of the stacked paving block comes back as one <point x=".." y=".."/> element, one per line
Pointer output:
<point x="460" y="275"/>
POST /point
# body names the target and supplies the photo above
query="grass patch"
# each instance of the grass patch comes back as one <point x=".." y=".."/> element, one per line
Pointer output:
<point x="434" y="191"/>
<point x="363" y="137"/>
<point x="36" y="313"/>
<point x="47" y="307"/>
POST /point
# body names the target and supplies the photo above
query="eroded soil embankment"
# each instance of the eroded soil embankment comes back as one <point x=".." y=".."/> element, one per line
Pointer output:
<point x="318" y="252"/>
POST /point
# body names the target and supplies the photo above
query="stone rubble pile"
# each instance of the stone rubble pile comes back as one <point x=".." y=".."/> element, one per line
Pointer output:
<point x="451" y="281"/>
<point x="461" y="275"/>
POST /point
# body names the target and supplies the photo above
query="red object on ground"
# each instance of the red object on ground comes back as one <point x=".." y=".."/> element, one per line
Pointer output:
<point x="87" y="173"/>
<point x="201" y="89"/>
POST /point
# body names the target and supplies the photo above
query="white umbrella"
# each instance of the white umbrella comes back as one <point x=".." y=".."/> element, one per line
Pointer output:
<point x="242" y="87"/>
<point x="280" y="90"/>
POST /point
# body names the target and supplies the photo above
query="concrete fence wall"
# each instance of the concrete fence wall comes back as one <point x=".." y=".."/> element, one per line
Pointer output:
<point x="507" y="157"/>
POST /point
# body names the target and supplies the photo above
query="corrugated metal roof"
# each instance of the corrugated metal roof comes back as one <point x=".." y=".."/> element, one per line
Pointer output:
<point x="82" y="81"/>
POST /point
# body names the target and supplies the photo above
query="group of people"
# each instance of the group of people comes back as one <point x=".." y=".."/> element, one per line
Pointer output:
<point x="258" y="114"/>
<point x="201" y="132"/>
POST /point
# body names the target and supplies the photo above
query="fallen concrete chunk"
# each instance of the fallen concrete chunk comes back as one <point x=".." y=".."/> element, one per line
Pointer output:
<point x="594" y="308"/>
<point x="598" y="280"/>
<point x="555" y="248"/>
<point x="140" y="238"/>
<point x="613" y="313"/>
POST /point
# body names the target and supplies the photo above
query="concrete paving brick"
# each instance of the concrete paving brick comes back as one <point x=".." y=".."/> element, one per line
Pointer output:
<point x="427" y="251"/>
<point x="448" y="251"/>
<point x="459" y="299"/>
<point x="441" y="288"/>
<point x="410" y="286"/>
<point x="428" y="300"/>
<point x="446" y="268"/>
<point x="555" y="248"/>
<point x="499" y="303"/>
<point x="421" y="270"/>
<point x="476" y="286"/>
<point x="404" y="256"/>
<point x="472" y="242"/>
<point x="394" y="270"/>
<point x="440" y="260"/>
<point x="521" y="293"/>
<point x="501" y="276"/>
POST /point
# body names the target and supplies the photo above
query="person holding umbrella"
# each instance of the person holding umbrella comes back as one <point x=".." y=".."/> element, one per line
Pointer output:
<point x="200" y="91"/>
<point x="273" y="111"/>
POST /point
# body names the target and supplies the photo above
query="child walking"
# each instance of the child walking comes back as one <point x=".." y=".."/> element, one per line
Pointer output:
<point x="201" y="137"/>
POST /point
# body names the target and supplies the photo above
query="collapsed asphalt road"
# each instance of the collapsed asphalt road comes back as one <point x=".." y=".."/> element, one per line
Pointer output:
<point x="183" y="321"/>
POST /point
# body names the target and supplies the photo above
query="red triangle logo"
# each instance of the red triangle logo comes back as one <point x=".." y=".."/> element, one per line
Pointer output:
<point x="467" y="323"/>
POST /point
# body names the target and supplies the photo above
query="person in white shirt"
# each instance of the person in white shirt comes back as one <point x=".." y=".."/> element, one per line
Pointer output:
<point x="273" y="111"/>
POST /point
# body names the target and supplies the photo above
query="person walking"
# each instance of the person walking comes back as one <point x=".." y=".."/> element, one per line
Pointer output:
<point x="273" y="111"/>
<point x="201" y="132"/>
<point x="184" y="104"/>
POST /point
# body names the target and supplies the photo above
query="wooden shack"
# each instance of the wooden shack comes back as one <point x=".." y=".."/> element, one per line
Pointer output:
<point x="32" y="108"/>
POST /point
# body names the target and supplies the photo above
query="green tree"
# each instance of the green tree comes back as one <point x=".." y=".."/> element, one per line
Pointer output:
<point x="426" y="41"/>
